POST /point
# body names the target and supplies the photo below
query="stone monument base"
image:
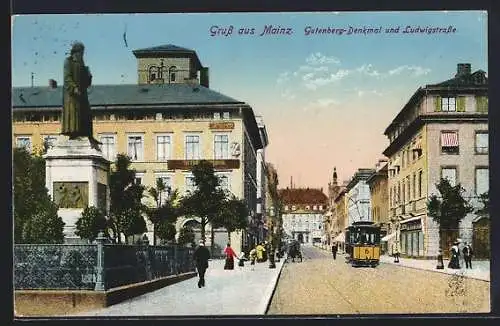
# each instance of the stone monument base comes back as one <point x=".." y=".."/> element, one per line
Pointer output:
<point x="76" y="177"/>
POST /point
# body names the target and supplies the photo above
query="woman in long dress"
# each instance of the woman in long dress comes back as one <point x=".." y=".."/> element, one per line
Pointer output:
<point x="230" y="255"/>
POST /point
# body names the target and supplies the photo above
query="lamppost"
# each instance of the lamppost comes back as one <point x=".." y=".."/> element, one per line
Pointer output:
<point x="271" y="238"/>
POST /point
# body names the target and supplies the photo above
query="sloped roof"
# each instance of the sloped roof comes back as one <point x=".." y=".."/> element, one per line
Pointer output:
<point x="100" y="95"/>
<point x="166" y="49"/>
<point x="303" y="196"/>
<point x="478" y="78"/>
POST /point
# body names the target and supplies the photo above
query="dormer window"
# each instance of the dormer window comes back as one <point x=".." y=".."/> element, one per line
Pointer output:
<point x="448" y="104"/>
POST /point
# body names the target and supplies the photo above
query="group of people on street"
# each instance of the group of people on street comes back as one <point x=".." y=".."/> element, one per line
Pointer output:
<point x="455" y="255"/>
<point x="201" y="256"/>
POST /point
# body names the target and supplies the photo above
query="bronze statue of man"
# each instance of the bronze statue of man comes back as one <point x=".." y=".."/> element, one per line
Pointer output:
<point x="76" y="116"/>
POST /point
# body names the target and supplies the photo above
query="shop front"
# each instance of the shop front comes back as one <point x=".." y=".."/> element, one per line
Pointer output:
<point x="412" y="237"/>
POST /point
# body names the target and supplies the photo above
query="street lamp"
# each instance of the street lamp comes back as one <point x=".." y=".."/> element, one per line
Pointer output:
<point x="272" y="263"/>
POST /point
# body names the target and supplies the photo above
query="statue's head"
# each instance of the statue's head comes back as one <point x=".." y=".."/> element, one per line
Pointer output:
<point x="77" y="47"/>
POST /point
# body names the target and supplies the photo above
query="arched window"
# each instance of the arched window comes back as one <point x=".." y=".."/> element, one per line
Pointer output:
<point x="152" y="73"/>
<point x="171" y="73"/>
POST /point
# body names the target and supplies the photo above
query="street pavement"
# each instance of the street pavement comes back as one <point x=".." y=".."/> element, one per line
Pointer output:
<point x="480" y="268"/>
<point x="320" y="285"/>
<point x="241" y="291"/>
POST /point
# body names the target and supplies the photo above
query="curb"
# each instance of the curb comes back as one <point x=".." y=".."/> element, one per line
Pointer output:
<point x="269" y="292"/>
<point x="439" y="271"/>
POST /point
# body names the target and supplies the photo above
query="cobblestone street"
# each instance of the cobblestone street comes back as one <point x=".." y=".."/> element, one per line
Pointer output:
<point x="320" y="285"/>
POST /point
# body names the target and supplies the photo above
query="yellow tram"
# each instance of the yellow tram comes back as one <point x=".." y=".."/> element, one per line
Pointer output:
<point x="363" y="244"/>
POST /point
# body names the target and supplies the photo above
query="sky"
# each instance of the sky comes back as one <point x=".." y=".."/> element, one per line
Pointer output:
<point x="325" y="99"/>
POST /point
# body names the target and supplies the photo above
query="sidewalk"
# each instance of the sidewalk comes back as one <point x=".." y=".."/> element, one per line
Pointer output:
<point x="227" y="292"/>
<point x="480" y="268"/>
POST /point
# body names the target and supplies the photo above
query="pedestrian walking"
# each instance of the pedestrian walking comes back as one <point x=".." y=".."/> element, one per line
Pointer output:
<point x="253" y="258"/>
<point x="395" y="253"/>
<point x="241" y="260"/>
<point x="454" y="256"/>
<point x="260" y="252"/>
<point x="467" y="251"/>
<point x="230" y="255"/>
<point x="334" y="251"/>
<point x="201" y="256"/>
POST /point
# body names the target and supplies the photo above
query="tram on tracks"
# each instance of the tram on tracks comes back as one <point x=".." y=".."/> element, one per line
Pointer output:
<point x="362" y="242"/>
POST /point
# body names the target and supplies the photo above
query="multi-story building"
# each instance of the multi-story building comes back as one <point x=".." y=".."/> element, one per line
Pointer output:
<point x="303" y="211"/>
<point x="261" y="181"/>
<point x="273" y="202"/>
<point x="358" y="197"/>
<point x="165" y="123"/>
<point x="340" y="216"/>
<point x="333" y="190"/>
<point x="380" y="199"/>
<point x="441" y="132"/>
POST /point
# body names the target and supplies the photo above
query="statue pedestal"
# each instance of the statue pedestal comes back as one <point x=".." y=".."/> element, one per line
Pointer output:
<point x="76" y="176"/>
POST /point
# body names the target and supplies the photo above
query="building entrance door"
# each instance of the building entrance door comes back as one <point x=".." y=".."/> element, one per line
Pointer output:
<point x="300" y="238"/>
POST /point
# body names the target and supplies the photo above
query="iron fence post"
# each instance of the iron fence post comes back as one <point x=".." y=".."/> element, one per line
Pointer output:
<point x="99" y="284"/>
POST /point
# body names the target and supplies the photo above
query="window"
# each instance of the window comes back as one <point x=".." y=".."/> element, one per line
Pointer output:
<point x="135" y="149"/>
<point x="49" y="140"/>
<point x="172" y="72"/>
<point x="192" y="147"/>
<point x="163" y="147"/>
<point x="190" y="184"/>
<point x="221" y="147"/>
<point x="108" y="146"/>
<point x="153" y="73"/>
<point x="225" y="115"/>
<point x="286" y="207"/>
<point x="448" y="104"/>
<point x="24" y="141"/>
<point x="320" y="207"/>
<point x="315" y="207"/>
<point x="481" y="142"/>
<point x="167" y="181"/>
<point x="216" y="115"/>
<point x="224" y="181"/>
<point x="293" y="207"/>
<point x="308" y="207"/>
<point x="449" y="142"/>
<point x="139" y="177"/>
<point x="482" y="180"/>
<point x="419" y="184"/>
<point x="414" y="185"/>
<point x="449" y="173"/>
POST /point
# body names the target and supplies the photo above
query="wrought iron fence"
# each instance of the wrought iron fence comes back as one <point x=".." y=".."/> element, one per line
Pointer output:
<point x="38" y="266"/>
<point x="96" y="266"/>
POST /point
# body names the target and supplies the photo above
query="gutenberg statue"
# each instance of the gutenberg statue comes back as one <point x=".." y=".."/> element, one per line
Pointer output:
<point x="76" y="116"/>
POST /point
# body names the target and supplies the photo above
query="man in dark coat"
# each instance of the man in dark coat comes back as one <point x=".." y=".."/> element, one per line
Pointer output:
<point x="334" y="251"/>
<point x="467" y="251"/>
<point x="201" y="256"/>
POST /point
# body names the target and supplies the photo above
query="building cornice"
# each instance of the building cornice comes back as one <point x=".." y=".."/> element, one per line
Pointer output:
<point x="423" y="119"/>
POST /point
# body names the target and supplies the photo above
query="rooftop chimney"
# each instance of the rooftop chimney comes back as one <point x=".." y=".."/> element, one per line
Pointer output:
<point x="463" y="69"/>
<point x="52" y="83"/>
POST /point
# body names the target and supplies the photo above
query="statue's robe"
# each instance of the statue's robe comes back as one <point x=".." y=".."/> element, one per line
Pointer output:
<point x="76" y="117"/>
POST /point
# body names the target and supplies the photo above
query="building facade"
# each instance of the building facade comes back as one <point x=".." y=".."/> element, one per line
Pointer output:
<point x="165" y="123"/>
<point x="379" y="198"/>
<point x="442" y="132"/>
<point x="303" y="211"/>
<point x="358" y="197"/>
<point x="262" y="228"/>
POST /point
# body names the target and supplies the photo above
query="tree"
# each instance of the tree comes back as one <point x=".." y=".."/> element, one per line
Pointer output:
<point x="448" y="209"/>
<point x="125" y="205"/>
<point x="166" y="231"/>
<point x="233" y="215"/>
<point x="186" y="236"/>
<point x="35" y="214"/>
<point x="485" y="201"/>
<point x="207" y="199"/>
<point x="91" y="222"/>
<point x="166" y="208"/>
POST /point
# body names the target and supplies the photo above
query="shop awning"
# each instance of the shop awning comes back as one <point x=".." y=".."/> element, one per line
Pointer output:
<point x="449" y="139"/>
<point x="340" y="238"/>
<point x="388" y="237"/>
<point x="411" y="219"/>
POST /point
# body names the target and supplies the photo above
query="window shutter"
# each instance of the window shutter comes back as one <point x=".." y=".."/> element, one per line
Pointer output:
<point x="461" y="104"/>
<point x="482" y="103"/>
<point x="438" y="104"/>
